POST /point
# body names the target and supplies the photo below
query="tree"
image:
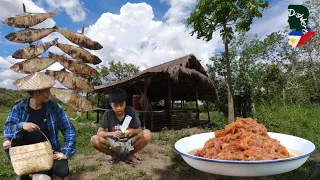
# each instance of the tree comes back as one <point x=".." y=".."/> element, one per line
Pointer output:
<point x="210" y="16"/>
<point x="117" y="71"/>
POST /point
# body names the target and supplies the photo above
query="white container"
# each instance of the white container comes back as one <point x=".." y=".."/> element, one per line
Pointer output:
<point x="245" y="168"/>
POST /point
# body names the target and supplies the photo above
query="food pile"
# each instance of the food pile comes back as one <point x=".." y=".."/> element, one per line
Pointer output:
<point x="243" y="140"/>
<point x="76" y="78"/>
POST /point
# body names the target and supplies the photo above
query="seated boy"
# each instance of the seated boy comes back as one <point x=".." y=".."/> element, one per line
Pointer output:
<point x="110" y="140"/>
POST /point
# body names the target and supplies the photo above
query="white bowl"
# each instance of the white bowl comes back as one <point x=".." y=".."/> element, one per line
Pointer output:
<point x="245" y="168"/>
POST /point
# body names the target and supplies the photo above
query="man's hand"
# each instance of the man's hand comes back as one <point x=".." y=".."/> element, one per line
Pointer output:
<point x="59" y="156"/>
<point x="117" y="134"/>
<point x="30" y="127"/>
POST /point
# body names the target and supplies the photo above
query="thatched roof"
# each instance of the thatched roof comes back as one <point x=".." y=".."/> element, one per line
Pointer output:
<point x="186" y="68"/>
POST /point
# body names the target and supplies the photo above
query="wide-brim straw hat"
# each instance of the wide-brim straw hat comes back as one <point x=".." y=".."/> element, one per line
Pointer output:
<point x="37" y="81"/>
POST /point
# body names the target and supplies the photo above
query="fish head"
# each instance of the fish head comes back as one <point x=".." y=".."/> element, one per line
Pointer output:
<point x="96" y="60"/>
<point x="9" y="21"/>
<point x="97" y="46"/>
<point x="12" y="36"/>
<point x="17" y="67"/>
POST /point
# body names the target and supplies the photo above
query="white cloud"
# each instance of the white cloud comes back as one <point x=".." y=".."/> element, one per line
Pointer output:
<point x="73" y="8"/>
<point x="133" y="36"/>
<point x="179" y="10"/>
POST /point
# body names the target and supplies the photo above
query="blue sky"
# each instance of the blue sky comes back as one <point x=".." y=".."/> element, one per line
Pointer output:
<point x="124" y="27"/>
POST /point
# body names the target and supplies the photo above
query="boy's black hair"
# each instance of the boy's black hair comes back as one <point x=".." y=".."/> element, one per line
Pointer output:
<point x="117" y="95"/>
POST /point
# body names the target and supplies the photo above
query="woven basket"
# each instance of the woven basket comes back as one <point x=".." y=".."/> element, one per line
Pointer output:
<point x="32" y="158"/>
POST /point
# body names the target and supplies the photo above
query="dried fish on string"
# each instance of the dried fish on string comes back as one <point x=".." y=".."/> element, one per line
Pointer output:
<point x="77" y="67"/>
<point x="20" y="81"/>
<point x="79" y="39"/>
<point x="32" y="65"/>
<point x="72" y="81"/>
<point x="79" y="53"/>
<point x="75" y="100"/>
<point x="27" y="20"/>
<point x="29" y="35"/>
<point x="33" y="50"/>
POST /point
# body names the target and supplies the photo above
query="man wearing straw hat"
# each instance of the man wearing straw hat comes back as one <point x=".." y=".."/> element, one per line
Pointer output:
<point x="39" y="114"/>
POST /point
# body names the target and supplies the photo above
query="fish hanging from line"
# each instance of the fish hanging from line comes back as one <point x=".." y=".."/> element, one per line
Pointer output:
<point x="29" y="35"/>
<point x="78" y="102"/>
<point x="33" y="50"/>
<point x="20" y="81"/>
<point x="32" y="65"/>
<point x="79" y="38"/>
<point x="74" y="66"/>
<point x="27" y="20"/>
<point x="79" y="53"/>
<point x="71" y="81"/>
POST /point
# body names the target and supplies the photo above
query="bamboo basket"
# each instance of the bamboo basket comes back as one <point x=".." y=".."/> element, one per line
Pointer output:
<point x="32" y="158"/>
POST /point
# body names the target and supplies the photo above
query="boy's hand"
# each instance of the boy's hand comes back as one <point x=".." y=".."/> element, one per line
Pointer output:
<point x="117" y="134"/>
<point x="129" y="132"/>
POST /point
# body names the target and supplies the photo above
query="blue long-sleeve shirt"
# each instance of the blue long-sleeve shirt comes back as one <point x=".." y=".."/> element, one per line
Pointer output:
<point x="56" y="120"/>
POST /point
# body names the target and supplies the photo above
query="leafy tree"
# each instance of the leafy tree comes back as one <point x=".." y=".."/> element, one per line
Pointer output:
<point x="210" y="16"/>
<point x="117" y="71"/>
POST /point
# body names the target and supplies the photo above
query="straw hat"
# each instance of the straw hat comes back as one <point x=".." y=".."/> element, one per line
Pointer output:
<point x="37" y="81"/>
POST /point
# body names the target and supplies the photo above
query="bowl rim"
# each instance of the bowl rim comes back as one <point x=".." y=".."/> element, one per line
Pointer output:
<point x="245" y="162"/>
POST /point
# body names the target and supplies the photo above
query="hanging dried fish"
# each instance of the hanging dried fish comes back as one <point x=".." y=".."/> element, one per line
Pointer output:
<point x="27" y="20"/>
<point x="77" y="67"/>
<point x="29" y="35"/>
<point x="79" y="39"/>
<point x="80" y="103"/>
<point x="20" y="81"/>
<point x="33" y="50"/>
<point x="32" y="65"/>
<point x="71" y="81"/>
<point x="79" y="53"/>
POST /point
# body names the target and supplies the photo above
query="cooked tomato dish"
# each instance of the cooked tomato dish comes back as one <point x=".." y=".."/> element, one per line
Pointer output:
<point x="243" y="140"/>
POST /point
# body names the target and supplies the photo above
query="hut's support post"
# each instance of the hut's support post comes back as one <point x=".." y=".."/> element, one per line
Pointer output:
<point x="208" y="109"/>
<point x="145" y="104"/>
<point x="98" y="104"/>
<point x="181" y="104"/>
<point x="169" y="102"/>
<point x="87" y="114"/>
<point x="197" y="105"/>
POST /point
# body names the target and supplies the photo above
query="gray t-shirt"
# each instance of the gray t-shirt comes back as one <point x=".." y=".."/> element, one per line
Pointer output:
<point x="112" y="123"/>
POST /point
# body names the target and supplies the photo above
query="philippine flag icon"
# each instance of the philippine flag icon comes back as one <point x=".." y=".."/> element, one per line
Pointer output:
<point x="297" y="38"/>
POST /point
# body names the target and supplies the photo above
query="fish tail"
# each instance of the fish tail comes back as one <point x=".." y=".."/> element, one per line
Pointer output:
<point x="53" y="12"/>
<point x="50" y="54"/>
<point x="56" y="28"/>
<point x="49" y="73"/>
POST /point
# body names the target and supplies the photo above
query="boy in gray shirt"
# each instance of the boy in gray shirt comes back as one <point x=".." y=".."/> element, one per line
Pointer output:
<point x="110" y="140"/>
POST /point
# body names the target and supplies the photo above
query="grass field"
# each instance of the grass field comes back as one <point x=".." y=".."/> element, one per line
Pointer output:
<point x="161" y="162"/>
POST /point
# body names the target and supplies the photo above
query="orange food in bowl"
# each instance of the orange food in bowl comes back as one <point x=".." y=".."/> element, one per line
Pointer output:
<point x="243" y="140"/>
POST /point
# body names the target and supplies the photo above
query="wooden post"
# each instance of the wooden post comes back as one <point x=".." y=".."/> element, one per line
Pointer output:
<point x="69" y="111"/>
<point x="145" y="103"/>
<point x="169" y="102"/>
<point x="87" y="114"/>
<point x="181" y="104"/>
<point x="98" y="104"/>
<point x="208" y="110"/>
<point x="197" y="105"/>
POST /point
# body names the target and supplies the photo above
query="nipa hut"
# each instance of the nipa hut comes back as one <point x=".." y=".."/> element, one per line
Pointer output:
<point x="154" y="93"/>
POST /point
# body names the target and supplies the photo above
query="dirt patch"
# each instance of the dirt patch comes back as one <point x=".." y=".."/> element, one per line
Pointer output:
<point x="153" y="156"/>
